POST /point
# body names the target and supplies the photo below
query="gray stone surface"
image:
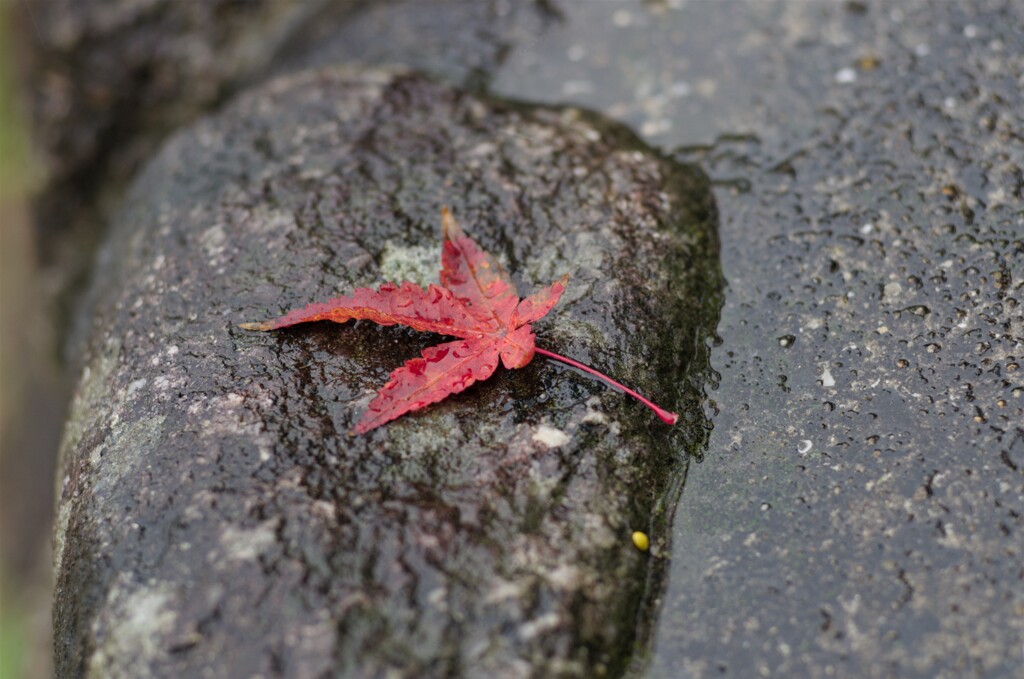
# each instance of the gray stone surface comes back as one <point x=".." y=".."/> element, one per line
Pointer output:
<point x="102" y="74"/>
<point x="214" y="517"/>
<point x="105" y="82"/>
<point x="860" y="508"/>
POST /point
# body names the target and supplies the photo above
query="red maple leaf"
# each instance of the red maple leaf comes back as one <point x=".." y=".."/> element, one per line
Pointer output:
<point x="476" y="302"/>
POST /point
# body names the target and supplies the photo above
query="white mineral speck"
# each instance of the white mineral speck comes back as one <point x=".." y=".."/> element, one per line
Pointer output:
<point x="565" y="577"/>
<point x="577" y="87"/>
<point x="846" y="75"/>
<point x="135" y="386"/>
<point x="680" y="89"/>
<point x="214" y="241"/>
<point x="538" y="626"/>
<point x="652" y="127"/>
<point x="438" y="598"/>
<point x="622" y="18"/>
<point x="826" y="378"/>
<point x="550" y="437"/>
<point x="243" y="544"/>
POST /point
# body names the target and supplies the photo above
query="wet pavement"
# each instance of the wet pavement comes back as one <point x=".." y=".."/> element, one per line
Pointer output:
<point x="859" y="508"/>
<point x="858" y="511"/>
<point x="860" y="503"/>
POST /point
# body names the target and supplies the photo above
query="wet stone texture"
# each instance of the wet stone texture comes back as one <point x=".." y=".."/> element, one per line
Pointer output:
<point x="105" y="82"/>
<point x="215" y="518"/>
<point x="104" y="74"/>
<point x="860" y="508"/>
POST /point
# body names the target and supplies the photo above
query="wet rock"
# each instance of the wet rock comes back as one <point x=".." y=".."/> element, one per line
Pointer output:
<point x="464" y="41"/>
<point x="104" y="73"/>
<point x="214" y="513"/>
<point x="861" y="504"/>
<point x="106" y="82"/>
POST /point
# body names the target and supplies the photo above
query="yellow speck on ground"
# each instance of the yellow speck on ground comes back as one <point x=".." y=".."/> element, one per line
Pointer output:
<point x="641" y="541"/>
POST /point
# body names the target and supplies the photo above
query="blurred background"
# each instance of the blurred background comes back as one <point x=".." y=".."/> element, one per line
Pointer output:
<point x="32" y="396"/>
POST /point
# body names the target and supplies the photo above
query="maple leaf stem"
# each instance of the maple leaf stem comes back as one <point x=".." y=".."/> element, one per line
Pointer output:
<point x="665" y="416"/>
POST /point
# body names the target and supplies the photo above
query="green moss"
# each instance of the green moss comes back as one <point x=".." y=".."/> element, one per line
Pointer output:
<point x="17" y="171"/>
<point x="13" y="633"/>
